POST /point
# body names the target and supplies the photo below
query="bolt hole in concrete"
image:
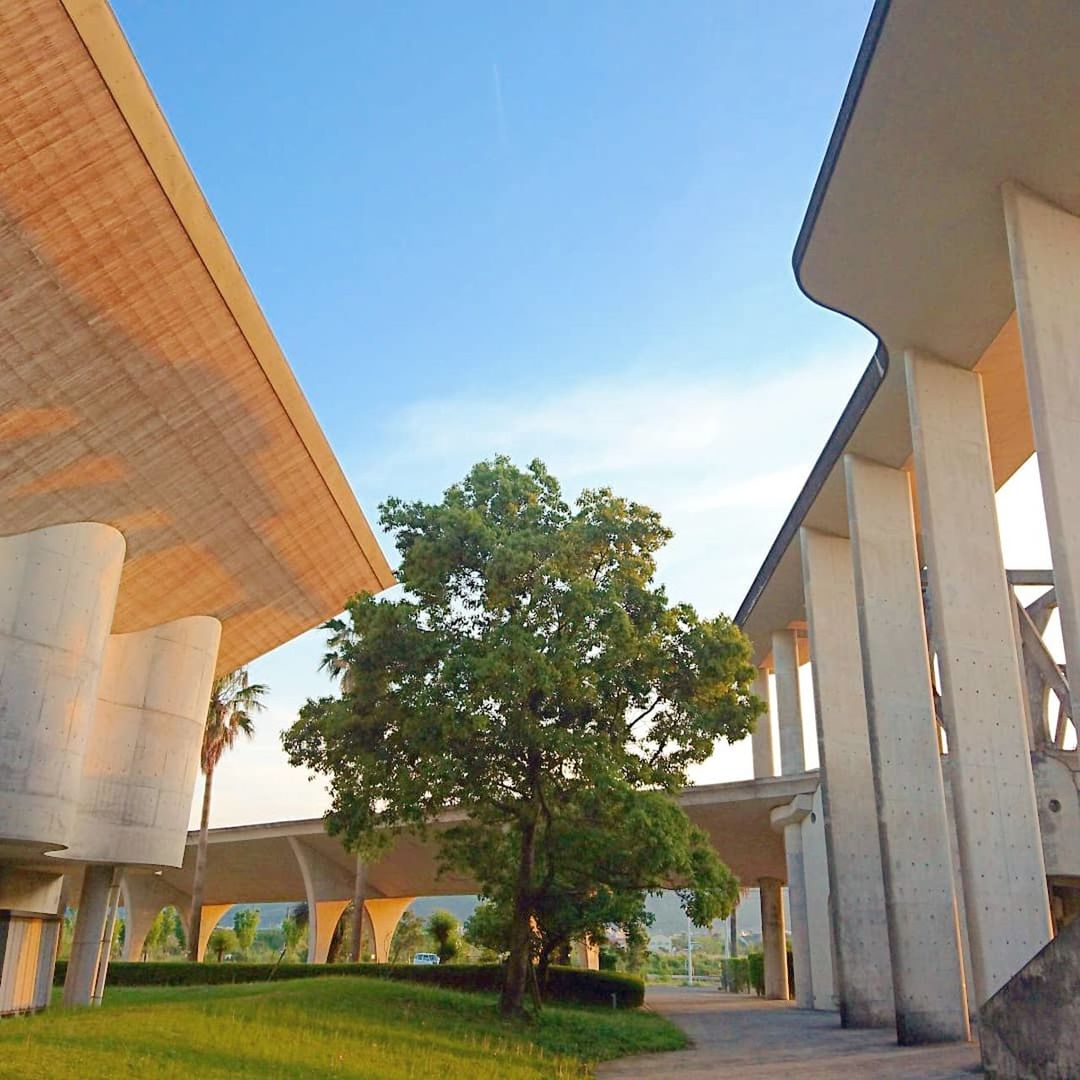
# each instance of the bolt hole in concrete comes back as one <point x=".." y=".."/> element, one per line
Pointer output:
<point x="1055" y="806"/>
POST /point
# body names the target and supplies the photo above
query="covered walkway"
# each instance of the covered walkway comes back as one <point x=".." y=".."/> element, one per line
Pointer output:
<point x="735" y="1035"/>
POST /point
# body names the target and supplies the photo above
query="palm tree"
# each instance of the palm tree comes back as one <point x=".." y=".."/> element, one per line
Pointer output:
<point x="233" y="700"/>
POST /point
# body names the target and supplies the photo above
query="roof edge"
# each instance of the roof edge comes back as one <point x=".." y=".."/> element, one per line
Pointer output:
<point x="868" y="385"/>
<point x="108" y="48"/>
<point x="865" y="56"/>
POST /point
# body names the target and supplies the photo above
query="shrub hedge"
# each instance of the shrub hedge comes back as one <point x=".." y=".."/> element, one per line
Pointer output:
<point x="564" y="984"/>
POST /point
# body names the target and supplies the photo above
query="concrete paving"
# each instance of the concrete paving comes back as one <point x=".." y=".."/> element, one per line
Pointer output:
<point x="736" y="1035"/>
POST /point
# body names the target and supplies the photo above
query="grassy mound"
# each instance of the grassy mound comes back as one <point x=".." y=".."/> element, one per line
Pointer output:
<point x="322" y="1027"/>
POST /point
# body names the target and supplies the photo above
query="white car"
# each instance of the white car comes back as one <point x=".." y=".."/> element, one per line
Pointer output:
<point x="425" y="958"/>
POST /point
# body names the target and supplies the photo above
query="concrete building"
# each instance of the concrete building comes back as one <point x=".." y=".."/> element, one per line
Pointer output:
<point x="296" y="860"/>
<point x="169" y="507"/>
<point x="946" y="219"/>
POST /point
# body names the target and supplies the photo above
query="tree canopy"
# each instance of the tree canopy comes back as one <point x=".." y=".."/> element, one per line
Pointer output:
<point x="534" y="676"/>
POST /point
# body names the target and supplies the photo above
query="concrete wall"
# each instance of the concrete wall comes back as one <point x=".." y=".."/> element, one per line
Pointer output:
<point x="1030" y="1029"/>
<point x="142" y="757"/>
<point x="58" y="590"/>
<point x="816" y="877"/>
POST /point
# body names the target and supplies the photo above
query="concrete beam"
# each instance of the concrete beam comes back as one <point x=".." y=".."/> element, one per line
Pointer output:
<point x="920" y="903"/>
<point x="997" y="822"/>
<point x="144" y="895"/>
<point x="785" y="651"/>
<point x="856" y="888"/>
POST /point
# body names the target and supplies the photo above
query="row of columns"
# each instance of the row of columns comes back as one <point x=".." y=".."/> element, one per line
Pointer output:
<point x="902" y="918"/>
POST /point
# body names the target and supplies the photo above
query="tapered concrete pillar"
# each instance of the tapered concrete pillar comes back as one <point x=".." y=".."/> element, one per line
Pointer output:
<point x="762" y="740"/>
<point x="144" y="895"/>
<point x="774" y="939"/>
<point x="324" y="880"/>
<point x="58" y="590"/>
<point x="328" y="914"/>
<point x="997" y="821"/>
<point x="112" y="910"/>
<point x="211" y="916"/>
<point x="788" y="706"/>
<point x="856" y="888"/>
<point x="1044" y="249"/>
<point x="87" y="951"/>
<point x="928" y="982"/>
<point x="384" y="914"/>
<point x="788" y="820"/>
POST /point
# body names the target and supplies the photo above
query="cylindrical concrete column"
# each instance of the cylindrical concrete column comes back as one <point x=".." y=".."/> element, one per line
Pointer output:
<point x="86" y="943"/>
<point x="997" y="820"/>
<point x="920" y="903"/>
<point x="785" y="653"/>
<point x="142" y="756"/>
<point x="857" y="908"/>
<point x="58" y="590"/>
<point x="105" y="953"/>
<point x="1044" y="249"/>
<point x="774" y="939"/>
<point x="762" y="739"/>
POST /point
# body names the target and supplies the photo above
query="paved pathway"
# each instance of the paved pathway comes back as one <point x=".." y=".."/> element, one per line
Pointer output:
<point x="739" y="1036"/>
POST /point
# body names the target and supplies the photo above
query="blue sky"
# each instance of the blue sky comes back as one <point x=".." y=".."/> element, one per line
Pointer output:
<point x="557" y="229"/>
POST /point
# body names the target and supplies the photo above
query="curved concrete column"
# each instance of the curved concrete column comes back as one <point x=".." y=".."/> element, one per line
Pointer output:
<point x="762" y="744"/>
<point x="327" y="915"/>
<point x="142" y="757"/>
<point x="58" y="591"/>
<point x="325" y="882"/>
<point x="211" y="916"/>
<point x="774" y="939"/>
<point x="144" y="895"/>
<point x="585" y="953"/>
<point x="384" y="914"/>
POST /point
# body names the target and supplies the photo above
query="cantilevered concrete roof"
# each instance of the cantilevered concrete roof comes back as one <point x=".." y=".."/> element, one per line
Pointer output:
<point x="905" y="232"/>
<point x="256" y="863"/>
<point x="140" y="384"/>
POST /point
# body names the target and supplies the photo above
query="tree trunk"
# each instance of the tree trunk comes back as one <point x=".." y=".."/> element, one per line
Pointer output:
<point x="516" y="981"/>
<point x="198" y="886"/>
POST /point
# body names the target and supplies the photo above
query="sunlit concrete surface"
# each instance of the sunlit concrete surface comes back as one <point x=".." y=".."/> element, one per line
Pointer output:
<point x="734" y="1035"/>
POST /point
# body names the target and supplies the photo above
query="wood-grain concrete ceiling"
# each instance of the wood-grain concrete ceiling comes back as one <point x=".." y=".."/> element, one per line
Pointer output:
<point x="140" y="384"/>
<point x="905" y="232"/>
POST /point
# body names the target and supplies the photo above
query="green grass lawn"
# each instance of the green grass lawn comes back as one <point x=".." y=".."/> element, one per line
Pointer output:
<point x="332" y="1027"/>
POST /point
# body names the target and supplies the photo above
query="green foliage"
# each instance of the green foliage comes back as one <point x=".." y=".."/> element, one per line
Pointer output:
<point x="755" y="964"/>
<point x="445" y="932"/>
<point x="488" y="928"/>
<point x="534" y="676"/>
<point x="351" y="1028"/>
<point x="221" y="941"/>
<point x="564" y="984"/>
<point x="246" y="926"/>
<point x="409" y="937"/>
<point x="736" y="974"/>
<point x="293" y="930"/>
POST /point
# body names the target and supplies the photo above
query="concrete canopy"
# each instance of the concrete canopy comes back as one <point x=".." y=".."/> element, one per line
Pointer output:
<point x="905" y="233"/>
<point x="140" y="385"/>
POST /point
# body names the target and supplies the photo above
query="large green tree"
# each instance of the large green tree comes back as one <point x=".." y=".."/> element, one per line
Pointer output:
<point x="531" y="660"/>
<point x="234" y="700"/>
